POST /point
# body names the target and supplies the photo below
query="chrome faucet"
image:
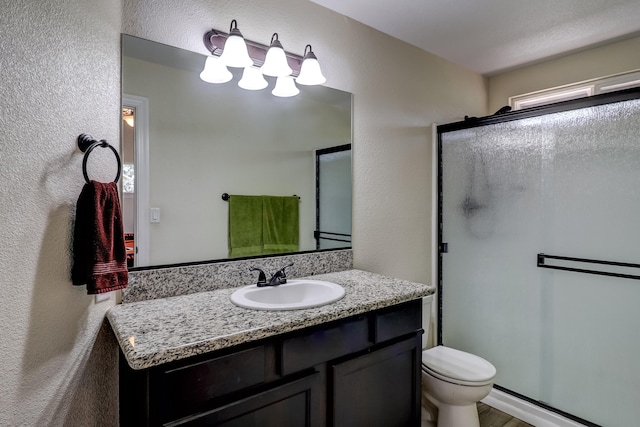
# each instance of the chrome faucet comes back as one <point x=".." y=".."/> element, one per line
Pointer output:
<point x="279" y="278"/>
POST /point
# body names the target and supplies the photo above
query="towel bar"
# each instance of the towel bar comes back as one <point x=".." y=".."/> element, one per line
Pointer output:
<point x="227" y="196"/>
<point x="86" y="144"/>
<point x="541" y="257"/>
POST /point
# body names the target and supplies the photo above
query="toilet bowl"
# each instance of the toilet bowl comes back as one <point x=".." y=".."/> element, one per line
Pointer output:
<point x="454" y="381"/>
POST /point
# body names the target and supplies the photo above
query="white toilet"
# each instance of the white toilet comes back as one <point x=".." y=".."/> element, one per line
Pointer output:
<point x="454" y="381"/>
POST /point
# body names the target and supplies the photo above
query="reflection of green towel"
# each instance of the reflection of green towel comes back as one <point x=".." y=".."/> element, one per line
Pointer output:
<point x="245" y="226"/>
<point x="280" y="228"/>
<point x="260" y="225"/>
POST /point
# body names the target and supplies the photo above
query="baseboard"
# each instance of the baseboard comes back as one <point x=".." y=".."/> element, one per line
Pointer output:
<point x="526" y="411"/>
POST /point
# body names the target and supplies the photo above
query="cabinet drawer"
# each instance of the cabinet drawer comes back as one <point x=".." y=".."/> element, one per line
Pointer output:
<point x="187" y="389"/>
<point x="399" y="320"/>
<point x="324" y="344"/>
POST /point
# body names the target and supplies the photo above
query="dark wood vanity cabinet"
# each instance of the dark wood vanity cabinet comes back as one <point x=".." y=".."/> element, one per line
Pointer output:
<point x="361" y="370"/>
<point x="378" y="388"/>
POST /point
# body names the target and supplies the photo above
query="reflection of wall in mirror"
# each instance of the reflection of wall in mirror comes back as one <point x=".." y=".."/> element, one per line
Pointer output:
<point x="203" y="145"/>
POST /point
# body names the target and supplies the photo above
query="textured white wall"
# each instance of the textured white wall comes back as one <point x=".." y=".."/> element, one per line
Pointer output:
<point x="59" y="77"/>
<point x="399" y="91"/>
<point x="601" y="61"/>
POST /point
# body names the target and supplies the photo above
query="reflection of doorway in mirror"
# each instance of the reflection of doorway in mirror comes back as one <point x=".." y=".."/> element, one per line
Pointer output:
<point x="135" y="188"/>
<point x="128" y="182"/>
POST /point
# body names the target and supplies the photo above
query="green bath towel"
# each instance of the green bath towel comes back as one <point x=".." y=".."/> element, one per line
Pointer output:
<point x="245" y="226"/>
<point x="281" y="227"/>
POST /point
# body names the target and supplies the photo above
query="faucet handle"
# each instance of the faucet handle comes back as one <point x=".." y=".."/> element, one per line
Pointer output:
<point x="262" y="278"/>
<point x="283" y="275"/>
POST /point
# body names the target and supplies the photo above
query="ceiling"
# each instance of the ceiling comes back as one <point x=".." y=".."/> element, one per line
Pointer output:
<point x="491" y="36"/>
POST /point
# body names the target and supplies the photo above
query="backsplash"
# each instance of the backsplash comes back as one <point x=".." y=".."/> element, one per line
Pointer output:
<point x="174" y="281"/>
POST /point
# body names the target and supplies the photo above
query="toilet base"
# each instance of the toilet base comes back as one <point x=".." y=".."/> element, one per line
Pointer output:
<point x="456" y="405"/>
<point x="458" y="416"/>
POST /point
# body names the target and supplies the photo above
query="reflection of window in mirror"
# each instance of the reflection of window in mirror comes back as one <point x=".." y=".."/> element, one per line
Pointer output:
<point x="128" y="178"/>
<point x="128" y="182"/>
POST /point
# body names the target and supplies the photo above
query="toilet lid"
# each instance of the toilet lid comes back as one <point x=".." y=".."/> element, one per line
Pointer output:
<point x="458" y="365"/>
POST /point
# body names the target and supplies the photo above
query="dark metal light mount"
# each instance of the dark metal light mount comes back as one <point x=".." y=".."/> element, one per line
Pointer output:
<point x="214" y="41"/>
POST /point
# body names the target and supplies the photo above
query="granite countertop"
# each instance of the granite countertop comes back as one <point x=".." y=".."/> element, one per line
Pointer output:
<point x="158" y="331"/>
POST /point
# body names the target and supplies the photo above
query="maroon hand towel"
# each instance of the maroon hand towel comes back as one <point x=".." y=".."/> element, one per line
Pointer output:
<point x="99" y="253"/>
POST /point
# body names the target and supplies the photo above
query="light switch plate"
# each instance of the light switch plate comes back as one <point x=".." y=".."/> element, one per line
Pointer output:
<point x="154" y="214"/>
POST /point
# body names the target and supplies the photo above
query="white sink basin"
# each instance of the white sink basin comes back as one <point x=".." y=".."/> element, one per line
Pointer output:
<point x="293" y="295"/>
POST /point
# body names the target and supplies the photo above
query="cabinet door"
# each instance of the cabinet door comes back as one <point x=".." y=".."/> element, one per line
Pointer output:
<point x="295" y="404"/>
<point x="380" y="389"/>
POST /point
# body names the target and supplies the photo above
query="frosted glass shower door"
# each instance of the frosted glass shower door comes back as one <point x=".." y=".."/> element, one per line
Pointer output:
<point x="492" y="223"/>
<point x="565" y="184"/>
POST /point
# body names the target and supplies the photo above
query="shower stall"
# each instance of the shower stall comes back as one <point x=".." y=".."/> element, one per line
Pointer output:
<point x="539" y="252"/>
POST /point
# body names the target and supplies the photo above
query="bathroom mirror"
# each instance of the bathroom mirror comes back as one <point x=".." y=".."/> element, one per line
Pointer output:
<point x="187" y="142"/>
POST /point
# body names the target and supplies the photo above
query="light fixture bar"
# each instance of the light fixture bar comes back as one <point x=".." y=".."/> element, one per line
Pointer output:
<point x="214" y="41"/>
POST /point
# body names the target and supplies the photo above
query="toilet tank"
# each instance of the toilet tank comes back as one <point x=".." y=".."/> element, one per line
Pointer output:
<point x="426" y="319"/>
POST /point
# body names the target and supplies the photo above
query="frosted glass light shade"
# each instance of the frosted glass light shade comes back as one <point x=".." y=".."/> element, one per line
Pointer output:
<point x="285" y="87"/>
<point x="310" y="73"/>
<point x="252" y="79"/>
<point x="235" y="53"/>
<point x="215" y="71"/>
<point x="275" y="62"/>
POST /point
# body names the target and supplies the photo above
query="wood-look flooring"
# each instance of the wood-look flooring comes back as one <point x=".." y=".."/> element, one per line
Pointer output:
<point x="489" y="417"/>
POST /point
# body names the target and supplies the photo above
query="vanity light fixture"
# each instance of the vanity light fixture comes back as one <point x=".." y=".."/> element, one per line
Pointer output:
<point x="252" y="79"/>
<point x="215" y="71"/>
<point x="285" y="87"/>
<point x="235" y="53"/>
<point x="310" y="73"/>
<point x="275" y="62"/>
<point x="260" y="60"/>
